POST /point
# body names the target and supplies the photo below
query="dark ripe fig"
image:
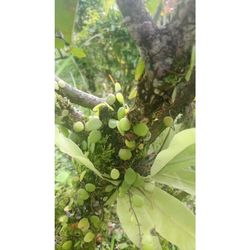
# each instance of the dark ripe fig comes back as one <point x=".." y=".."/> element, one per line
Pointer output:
<point x="141" y="129"/>
<point x="78" y="126"/>
<point x="94" y="136"/>
<point x="124" y="124"/>
<point x="121" y="113"/>
<point x="125" y="154"/>
<point x="93" y="123"/>
<point x="90" y="187"/>
<point x="111" y="99"/>
<point x="67" y="245"/>
<point x="118" y="87"/>
<point x="120" y="98"/>
<point x="89" y="237"/>
<point x="168" y="121"/>
<point x="130" y="176"/>
<point x="115" y="173"/>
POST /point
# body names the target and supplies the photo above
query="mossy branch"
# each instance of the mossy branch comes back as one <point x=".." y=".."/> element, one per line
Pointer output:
<point x="77" y="96"/>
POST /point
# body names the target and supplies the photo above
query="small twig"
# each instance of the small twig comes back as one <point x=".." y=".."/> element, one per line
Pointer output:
<point x="137" y="221"/>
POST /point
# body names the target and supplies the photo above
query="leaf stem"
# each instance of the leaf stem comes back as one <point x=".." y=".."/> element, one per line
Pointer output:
<point x="137" y="221"/>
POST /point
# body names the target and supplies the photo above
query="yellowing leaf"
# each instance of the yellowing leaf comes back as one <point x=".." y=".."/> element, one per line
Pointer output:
<point x="133" y="93"/>
<point x="139" y="69"/>
<point x="78" y="52"/>
<point x="107" y="5"/>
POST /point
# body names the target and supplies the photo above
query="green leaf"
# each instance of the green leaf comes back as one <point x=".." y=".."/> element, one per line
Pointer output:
<point x="129" y="223"/>
<point x="68" y="147"/>
<point x="59" y="43"/>
<point x="133" y="93"/>
<point x="191" y="66"/>
<point x="107" y="4"/>
<point x="139" y="69"/>
<point x="172" y="166"/>
<point x="78" y="52"/>
<point x="161" y="212"/>
<point x="64" y="17"/>
<point x="174" y="221"/>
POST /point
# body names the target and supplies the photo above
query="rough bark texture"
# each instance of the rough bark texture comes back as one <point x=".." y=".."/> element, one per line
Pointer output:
<point x="166" y="52"/>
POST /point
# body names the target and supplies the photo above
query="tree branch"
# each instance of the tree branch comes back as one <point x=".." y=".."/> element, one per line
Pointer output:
<point x="166" y="52"/>
<point x="77" y="96"/>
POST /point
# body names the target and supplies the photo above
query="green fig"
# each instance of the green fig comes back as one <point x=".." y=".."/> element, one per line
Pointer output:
<point x="124" y="124"/>
<point x="121" y="113"/>
<point x="168" y="121"/>
<point x="125" y="154"/>
<point x="120" y="98"/>
<point x="90" y="187"/>
<point x="94" y="136"/>
<point x="115" y="174"/>
<point x="141" y="129"/>
<point x="112" y="123"/>
<point x="111" y="99"/>
<point x="118" y="87"/>
<point x="67" y="245"/>
<point x="83" y="194"/>
<point x="93" y="123"/>
<point x="83" y="224"/>
<point x="78" y="126"/>
<point x="89" y="237"/>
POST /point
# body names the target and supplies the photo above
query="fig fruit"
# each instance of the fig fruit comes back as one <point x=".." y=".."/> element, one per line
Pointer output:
<point x="111" y="99"/>
<point x="124" y="124"/>
<point x="120" y="98"/>
<point x="112" y="123"/>
<point x="83" y="224"/>
<point x="168" y="121"/>
<point x="93" y="123"/>
<point x="141" y="129"/>
<point x="118" y="87"/>
<point x="121" y="113"/>
<point x="125" y="154"/>
<point x="89" y="237"/>
<point x="90" y="187"/>
<point x="115" y="174"/>
<point x="82" y="194"/>
<point x="94" y="136"/>
<point x="67" y="245"/>
<point x="78" y="126"/>
<point x="95" y="221"/>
